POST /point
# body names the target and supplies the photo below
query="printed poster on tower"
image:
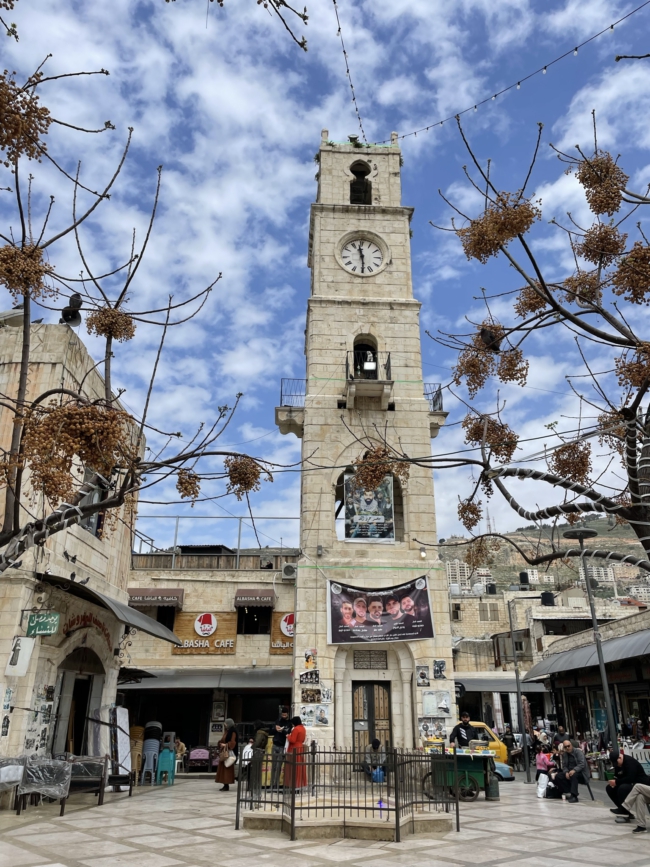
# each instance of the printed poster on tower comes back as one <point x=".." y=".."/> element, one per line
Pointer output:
<point x="359" y="614"/>
<point x="369" y="512"/>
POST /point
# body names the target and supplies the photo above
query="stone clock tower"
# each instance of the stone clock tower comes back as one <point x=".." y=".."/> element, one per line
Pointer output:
<point x="364" y="381"/>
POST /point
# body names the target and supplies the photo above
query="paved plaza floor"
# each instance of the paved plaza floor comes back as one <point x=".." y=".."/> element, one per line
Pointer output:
<point x="192" y="825"/>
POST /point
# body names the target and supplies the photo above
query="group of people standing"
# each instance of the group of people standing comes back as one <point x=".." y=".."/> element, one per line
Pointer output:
<point x="288" y="737"/>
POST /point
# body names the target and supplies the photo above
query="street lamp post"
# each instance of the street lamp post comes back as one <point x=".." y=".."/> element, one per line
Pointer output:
<point x="520" y="709"/>
<point x="581" y="535"/>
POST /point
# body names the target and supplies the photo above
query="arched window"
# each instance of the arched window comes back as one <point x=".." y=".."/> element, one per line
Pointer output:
<point x="386" y="503"/>
<point x="365" y="358"/>
<point x="360" y="187"/>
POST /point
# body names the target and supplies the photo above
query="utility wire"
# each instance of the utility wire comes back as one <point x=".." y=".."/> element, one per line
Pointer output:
<point x="347" y="69"/>
<point x="516" y="85"/>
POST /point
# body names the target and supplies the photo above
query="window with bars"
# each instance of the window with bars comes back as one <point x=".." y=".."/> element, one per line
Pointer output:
<point x="456" y="611"/>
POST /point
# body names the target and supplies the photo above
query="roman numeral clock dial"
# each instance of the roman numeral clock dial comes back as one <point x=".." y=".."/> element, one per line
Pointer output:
<point x="362" y="257"/>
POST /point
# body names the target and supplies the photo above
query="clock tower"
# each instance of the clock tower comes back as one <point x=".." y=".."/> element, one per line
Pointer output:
<point x="372" y="640"/>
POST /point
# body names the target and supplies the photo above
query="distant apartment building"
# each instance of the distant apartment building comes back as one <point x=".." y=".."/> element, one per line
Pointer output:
<point x="598" y="573"/>
<point x="640" y="592"/>
<point x="458" y="573"/>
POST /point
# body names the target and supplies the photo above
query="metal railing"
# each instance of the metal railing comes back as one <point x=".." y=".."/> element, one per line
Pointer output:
<point x="433" y="393"/>
<point x="292" y="392"/>
<point x="338" y="785"/>
<point x="368" y="365"/>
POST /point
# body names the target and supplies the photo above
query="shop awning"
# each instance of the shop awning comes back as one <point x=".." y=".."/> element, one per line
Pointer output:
<point x="220" y="678"/>
<point x="131" y="675"/>
<point x="625" y="647"/>
<point x="125" y="614"/>
<point x="143" y="597"/>
<point x="250" y="598"/>
<point x="495" y="684"/>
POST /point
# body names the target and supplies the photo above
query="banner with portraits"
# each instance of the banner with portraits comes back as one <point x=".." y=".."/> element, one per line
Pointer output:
<point x="369" y="512"/>
<point x="358" y="614"/>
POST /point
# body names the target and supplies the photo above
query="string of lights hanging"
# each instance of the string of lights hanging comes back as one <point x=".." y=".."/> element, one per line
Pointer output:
<point x="347" y="69"/>
<point x="515" y="85"/>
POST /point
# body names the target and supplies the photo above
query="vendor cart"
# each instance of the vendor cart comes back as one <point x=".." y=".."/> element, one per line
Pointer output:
<point x="474" y="767"/>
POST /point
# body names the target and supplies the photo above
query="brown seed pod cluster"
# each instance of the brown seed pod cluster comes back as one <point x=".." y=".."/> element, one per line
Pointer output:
<point x="623" y="499"/>
<point x="54" y="436"/>
<point x="371" y="468"/>
<point x="601" y="244"/>
<point x="244" y="475"/>
<point x="603" y="182"/>
<point x="633" y="368"/>
<point x="480" y="552"/>
<point x="632" y="277"/>
<point x="188" y="484"/>
<point x="23" y="121"/>
<point x="501" y="221"/>
<point x="572" y="461"/>
<point x="23" y="271"/>
<point x="499" y="437"/>
<point x="513" y="367"/>
<point x="109" y="322"/>
<point x="476" y="363"/>
<point x="583" y="286"/>
<point x="529" y="302"/>
<point x="612" y="433"/>
<point x="470" y="513"/>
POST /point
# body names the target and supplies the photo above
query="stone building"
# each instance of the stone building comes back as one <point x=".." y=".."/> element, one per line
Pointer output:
<point x="60" y="640"/>
<point x="358" y="547"/>
<point x="233" y="612"/>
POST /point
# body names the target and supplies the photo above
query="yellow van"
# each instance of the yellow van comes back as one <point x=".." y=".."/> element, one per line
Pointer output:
<point x="491" y="741"/>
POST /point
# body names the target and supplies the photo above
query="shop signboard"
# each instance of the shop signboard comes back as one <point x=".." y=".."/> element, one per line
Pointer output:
<point x="369" y="512"/>
<point x="43" y="623"/>
<point x="206" y="632"/>
<point x="365" y="614"/>
<point x="282" y="624"/>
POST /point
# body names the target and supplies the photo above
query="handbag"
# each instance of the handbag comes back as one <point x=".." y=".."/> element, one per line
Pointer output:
<point x="230" y="760"/>
<point x="542" y="783"/>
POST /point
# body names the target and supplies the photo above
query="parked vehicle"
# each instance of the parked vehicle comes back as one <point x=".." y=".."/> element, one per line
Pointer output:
<point x="503" y="772"/>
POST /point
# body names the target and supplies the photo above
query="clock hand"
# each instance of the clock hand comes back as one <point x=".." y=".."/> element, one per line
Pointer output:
<point x="363" y="263"/>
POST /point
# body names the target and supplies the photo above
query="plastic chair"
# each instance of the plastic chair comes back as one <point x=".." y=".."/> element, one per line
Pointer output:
<point x="166" y="765"/>
<point x="149" y="765"/>
<point x="179" y="766"/>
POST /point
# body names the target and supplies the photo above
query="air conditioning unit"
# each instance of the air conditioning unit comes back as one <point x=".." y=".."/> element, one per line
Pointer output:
<point x="289" y="572"/>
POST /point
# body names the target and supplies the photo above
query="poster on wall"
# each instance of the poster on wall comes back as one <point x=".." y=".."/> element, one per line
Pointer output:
<point x="422" y="675"/>
<point x="369" y="512"/>
<point x="327" y="693"/>
<point x="310" y="696"/>
<point x="311" y="659"/>
<point x="20" y="656"/>
<point x="436" y="703"/>
<point x="308" y="715"/>
<point x="322" y="716"/>
<point x="432" y="727"/>
<point x="358" y="614"/>
<point x="310" y="677"/>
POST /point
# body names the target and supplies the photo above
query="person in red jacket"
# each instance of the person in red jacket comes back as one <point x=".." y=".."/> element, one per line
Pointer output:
<point x="295" y="768"/>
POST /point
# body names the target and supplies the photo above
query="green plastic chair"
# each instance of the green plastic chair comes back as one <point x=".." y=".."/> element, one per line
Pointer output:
<point x="166" y="764"/>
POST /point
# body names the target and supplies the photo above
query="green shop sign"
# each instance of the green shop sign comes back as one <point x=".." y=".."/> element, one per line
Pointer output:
<point x="43" y="623"/>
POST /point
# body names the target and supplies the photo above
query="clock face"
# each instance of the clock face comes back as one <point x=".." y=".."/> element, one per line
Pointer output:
<point x="360" y="256"/>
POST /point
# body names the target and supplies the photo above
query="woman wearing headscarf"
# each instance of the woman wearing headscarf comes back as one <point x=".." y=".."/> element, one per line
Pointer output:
<point x="295" y="768"/>
<point x="228" y="743"/>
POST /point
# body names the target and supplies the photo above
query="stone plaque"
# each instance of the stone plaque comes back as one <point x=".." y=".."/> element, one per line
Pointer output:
<point x="377" y="659"/>
<point x="206" y="632"/>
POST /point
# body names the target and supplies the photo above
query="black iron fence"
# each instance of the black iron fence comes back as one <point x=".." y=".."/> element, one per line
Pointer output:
<point x="338" y="785"/>
<point x="367" y="364"/>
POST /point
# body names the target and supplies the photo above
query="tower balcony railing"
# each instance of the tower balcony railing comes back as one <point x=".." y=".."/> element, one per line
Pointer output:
<point x="433" y="393"/>
<point x="292" y="392"/>
<point x="364" y="364"/>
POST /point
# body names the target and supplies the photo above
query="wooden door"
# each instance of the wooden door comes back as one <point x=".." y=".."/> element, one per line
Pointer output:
<point x="370" y="714"/>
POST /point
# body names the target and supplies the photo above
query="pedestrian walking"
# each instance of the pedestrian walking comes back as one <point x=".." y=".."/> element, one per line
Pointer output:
<point x="295" y="772"/>
<point x="280" y="731"/>
<point x="627" y="772"/>
<point x="228" y="749"/>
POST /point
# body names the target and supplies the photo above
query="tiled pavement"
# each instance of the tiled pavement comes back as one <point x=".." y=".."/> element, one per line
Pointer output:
<point x="192" y="825"/>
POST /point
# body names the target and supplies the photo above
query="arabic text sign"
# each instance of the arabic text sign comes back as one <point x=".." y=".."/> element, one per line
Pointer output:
<point x="43" y="623"/>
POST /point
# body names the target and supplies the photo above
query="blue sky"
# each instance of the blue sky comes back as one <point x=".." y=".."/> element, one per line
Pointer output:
<point x="233" y="110"/>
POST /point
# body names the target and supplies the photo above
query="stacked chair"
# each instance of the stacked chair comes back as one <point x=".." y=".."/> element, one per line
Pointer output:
<point x="137" y="747"/>
<point x="151" y="750"/>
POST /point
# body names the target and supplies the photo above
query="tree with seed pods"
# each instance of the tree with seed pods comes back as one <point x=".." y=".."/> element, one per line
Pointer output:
<point x="67" y="445"/>
<point x="598" y="303"/>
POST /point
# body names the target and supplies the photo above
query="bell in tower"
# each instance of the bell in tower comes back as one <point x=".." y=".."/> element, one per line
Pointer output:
<point x="372" y="637"/>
